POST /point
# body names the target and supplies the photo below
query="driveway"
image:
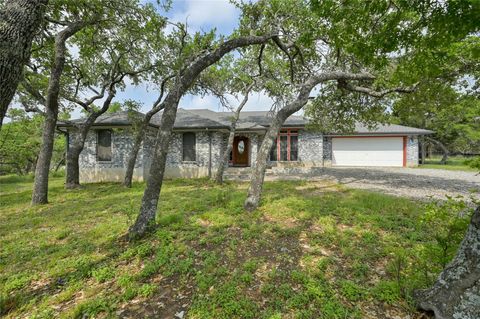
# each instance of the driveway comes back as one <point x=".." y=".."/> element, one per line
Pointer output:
<point x="406" y="182"/>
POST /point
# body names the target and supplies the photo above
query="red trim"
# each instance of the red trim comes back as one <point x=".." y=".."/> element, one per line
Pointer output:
<point x="404" y="151"/>
<point x="288" y="145"/>
<point x="288" y="133"/>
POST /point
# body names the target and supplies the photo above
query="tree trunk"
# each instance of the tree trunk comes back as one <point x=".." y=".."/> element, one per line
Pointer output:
<point x="231" y="136"/>
<point x="60" y="162"/>
<point x="258" y="175"/>
<point x="40" y="184"/>
<point x="456" y="293"/>
<point x="444" y="149"/>
<point x="148" y="208"/>
<point x="132" y="158"/>
<point x="19" y="22"/>
<point x="72" y="179"/>
<point x="422" y="151"/>
<point x="182" y="83"/>
<point x="225" y="156"/>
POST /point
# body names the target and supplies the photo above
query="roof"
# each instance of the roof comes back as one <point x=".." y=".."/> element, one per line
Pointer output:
<point x="257" y="120"/>
<point x="390" y="129"/>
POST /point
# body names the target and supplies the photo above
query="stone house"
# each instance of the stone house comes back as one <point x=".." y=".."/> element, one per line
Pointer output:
<point x="200" y="137"/>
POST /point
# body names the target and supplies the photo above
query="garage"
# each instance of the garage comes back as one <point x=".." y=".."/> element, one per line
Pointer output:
<point x="369" y="151"/>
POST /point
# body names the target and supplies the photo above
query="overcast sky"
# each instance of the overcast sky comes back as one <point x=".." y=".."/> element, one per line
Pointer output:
<point x="202" y="15"/>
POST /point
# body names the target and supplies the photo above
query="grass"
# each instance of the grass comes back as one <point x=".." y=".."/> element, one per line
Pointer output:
<point x="313" y="250"/>
<point x="454" y="163"/>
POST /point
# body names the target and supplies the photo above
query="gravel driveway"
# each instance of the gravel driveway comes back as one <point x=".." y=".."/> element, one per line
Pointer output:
<point x="407" y="182"/>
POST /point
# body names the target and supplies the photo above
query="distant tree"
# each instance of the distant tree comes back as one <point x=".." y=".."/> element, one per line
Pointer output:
<point x="448" y="104"/>
<point x="20" y="142"/>
<point x="19" y="22"/>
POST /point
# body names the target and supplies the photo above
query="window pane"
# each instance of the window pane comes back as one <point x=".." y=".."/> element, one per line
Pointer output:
<point x="273" y="151"/>
<point x="104" y="145"/>
<point x="189" y="147"/>
<point x="283" y="148"/>
<point x="293" y="148"/>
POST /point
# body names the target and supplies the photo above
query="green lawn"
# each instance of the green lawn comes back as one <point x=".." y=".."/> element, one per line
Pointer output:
<point x="454" y="163"/>
<point x="313" y="250"/>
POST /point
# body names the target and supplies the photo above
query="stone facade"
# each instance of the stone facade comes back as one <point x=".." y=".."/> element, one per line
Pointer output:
<point x="314" y="150"/>
<point x="208" y="148"/>
<point x="310" y="148"/>
<point x="92" y="170"/>
<point x="412" y="151"/>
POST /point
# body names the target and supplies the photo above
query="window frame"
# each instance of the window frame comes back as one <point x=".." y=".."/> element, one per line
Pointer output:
<point x="289" y="132"/>
<point x="194" y="147"/>
<point x="97" y="131"/>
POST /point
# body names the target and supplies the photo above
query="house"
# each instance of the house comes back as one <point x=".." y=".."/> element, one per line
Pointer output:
<point x="200" y="137"/>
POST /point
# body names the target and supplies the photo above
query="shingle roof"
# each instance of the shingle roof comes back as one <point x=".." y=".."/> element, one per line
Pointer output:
<point x="389" y="129"/>
<point x="120" y="118"/>
<point x="257" y="120"/>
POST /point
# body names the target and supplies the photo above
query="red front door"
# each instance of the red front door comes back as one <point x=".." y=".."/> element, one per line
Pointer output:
<point x="240" y="151"/>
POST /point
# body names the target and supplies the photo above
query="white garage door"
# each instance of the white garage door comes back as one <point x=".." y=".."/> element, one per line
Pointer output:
<point x="367" y="151"/>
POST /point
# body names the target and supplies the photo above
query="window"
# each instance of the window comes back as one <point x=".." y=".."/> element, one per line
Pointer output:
<point x="189" y="142"/>
<point x="104" y="145"/>
<point x="285" y="146"/>
<point x="273" y="151"/>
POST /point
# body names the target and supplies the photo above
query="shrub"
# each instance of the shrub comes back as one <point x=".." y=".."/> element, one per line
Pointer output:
<point x="450" y="220"/>
<point x="473" y="163"/>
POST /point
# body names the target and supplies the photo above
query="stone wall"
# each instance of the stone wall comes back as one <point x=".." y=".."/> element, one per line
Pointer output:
<point x="208" y="144"/>
<point x="92" y="170"/>
<point x="310" y="148"/>
<point x="412" y="151"/>
<point x="327" y="151"/>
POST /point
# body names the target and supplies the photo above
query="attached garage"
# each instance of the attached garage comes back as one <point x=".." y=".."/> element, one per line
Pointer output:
<point x="369" y="151"/>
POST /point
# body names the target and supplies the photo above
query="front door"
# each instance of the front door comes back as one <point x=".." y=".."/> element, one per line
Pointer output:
<point x="240" y="151"/>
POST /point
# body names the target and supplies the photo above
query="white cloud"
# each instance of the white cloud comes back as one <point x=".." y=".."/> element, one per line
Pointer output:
<point x="207" y="14"/>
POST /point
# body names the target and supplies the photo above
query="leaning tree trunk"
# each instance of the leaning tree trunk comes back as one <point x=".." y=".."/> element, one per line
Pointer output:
<point x="148" y="209"/>
<point x="456" y="293"/>
<point x="258" y="175"/>
<point x="132" y="159"/>
<point x="19" y="22"/>
<point x="444" y="149"/>
<point x="225" y="156"/>
<point x="231" y="136"/>
<point x="40" y="184"/>
<point x="72" y="179"/>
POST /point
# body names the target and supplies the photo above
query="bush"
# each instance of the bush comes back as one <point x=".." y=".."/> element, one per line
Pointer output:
<point x="450" y="220"/>
<point x="474" y="163"/>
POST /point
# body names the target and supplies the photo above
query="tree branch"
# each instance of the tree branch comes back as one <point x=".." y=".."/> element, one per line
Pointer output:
<point x="371" y="92"/>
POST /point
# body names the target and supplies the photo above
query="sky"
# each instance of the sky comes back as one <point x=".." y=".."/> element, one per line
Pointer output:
<point x="201" y="15"/>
